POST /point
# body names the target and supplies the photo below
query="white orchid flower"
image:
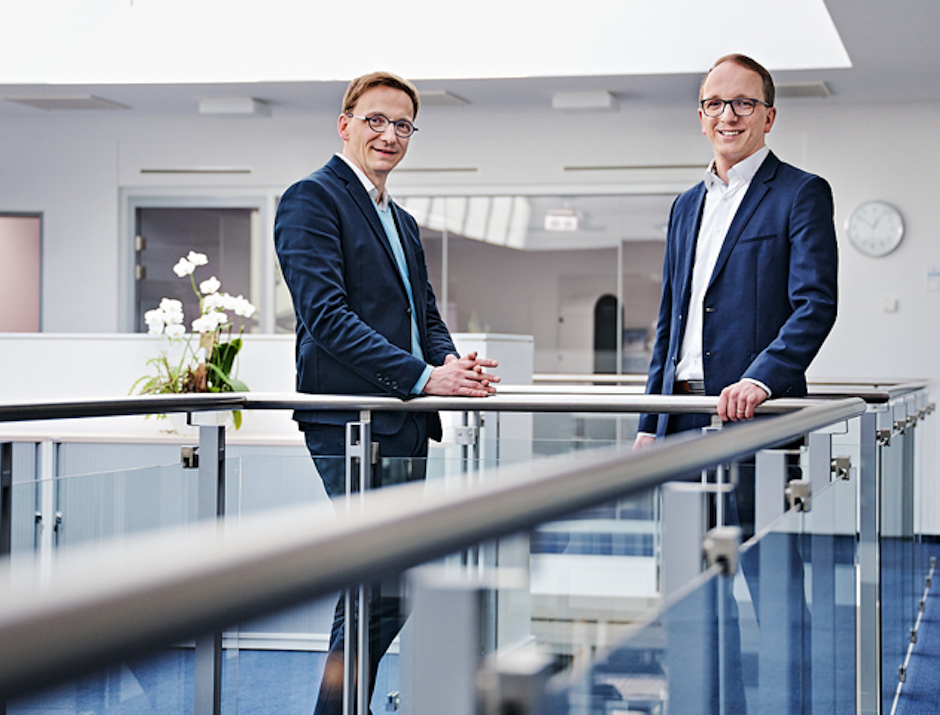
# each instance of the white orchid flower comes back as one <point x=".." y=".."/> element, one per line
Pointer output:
<point x="197" y="259"/>
<point x="243" y="308"/>
<point x="210" y="286"/>
<point x="206" y="323"/>
<point x="155" y="320"/>
<point x="175" y="331"/>
<point x="184" y="267"/>
<point x="213" y="302"/>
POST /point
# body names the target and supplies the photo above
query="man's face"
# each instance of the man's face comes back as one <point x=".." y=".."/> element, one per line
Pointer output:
<point x="735" y="138"/>
<point x="373" y="152"/>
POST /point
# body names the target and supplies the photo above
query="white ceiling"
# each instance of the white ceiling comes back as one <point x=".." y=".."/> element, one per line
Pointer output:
<point x="892" y="48"/>
<point x="211" y="41"/>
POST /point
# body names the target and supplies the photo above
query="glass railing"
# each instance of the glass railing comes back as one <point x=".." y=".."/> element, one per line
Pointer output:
<point x="782" y="628"/>
<point x="776" y="635"/>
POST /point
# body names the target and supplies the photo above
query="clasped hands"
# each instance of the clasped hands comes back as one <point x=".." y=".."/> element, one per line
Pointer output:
<point x="462" y="376"/>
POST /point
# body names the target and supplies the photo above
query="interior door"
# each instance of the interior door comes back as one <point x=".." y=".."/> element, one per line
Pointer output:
<point x="164" y="235"/>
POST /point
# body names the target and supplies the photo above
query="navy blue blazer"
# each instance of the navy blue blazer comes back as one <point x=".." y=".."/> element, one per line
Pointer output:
<point x="353" y="314"/>
<point x="772" y="298"/>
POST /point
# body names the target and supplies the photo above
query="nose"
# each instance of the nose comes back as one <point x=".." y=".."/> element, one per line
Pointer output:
<point x="389" y="132"/>
<point x="727" y="108"/>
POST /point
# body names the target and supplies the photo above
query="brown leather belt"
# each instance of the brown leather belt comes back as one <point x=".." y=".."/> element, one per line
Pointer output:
<point x="688" y="387"/>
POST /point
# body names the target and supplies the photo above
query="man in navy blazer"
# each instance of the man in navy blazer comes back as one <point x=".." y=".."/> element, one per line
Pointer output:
<point x="750" y="271"/>
<point x="367" y="321"/>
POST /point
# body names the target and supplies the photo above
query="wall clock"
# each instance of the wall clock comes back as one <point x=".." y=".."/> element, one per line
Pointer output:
<point x="875" y="228"/>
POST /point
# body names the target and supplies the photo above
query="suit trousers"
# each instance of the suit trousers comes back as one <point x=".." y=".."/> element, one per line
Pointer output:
<point x="403" y="459"/>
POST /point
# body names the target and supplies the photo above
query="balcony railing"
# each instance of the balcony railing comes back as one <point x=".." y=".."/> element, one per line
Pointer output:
<point x="69" y="609"/>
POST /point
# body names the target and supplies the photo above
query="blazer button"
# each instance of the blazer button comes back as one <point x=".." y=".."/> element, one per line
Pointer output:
<point x="394" y="385"/>
<point x="709" y="309"/>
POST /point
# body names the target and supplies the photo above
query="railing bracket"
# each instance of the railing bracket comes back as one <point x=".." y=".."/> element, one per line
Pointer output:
<point x="465" y="436"/>
<point x="721" y="547"/>
<point x="799" y="494"/>
<point x="840" y="467"/>
<point x="189" y="457"/>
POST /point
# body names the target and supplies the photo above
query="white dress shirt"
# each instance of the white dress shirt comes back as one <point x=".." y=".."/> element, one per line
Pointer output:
<point x="721" y="204"/>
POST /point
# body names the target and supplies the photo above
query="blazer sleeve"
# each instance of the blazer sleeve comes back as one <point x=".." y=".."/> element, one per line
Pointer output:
<point x="654" y="382"/>
<point x="309" y="242"/>
<point x="812" y="289"/>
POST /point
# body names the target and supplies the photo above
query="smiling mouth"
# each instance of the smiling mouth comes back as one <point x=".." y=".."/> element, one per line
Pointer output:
<point x="731" y="132"/>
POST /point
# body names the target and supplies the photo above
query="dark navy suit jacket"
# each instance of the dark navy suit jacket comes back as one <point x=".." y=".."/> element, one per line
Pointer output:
<point x="772" y="298"/>
<point x="353" y="314"/>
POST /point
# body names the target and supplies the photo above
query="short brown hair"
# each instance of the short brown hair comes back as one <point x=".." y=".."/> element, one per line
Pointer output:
<point x="748" y="64"/>
<point x="361" y="85"/>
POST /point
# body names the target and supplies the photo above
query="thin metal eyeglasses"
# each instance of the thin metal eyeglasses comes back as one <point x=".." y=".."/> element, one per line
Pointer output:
<point x="379" y="122"/>
<point x="741" y="106"/>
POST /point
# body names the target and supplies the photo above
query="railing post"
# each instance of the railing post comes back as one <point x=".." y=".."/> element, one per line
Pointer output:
<point x="868" y="650"/>
<point x="682" y="530"/>
<point x="6" y="498"/>
<point x="6" y="513"/>
<point x="446" y="634"/>
<point x="207" y="690"/>
<point x="359" y="472"/>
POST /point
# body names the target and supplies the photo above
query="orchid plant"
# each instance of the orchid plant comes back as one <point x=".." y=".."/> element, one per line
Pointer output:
<point x="206" y="364"/>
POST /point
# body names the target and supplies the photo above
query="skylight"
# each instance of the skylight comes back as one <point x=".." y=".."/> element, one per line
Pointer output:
<point x="180" y="41"/>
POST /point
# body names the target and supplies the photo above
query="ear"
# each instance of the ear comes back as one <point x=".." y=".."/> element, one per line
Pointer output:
<point x="342" y="126"/>
<point x="771" y="116"/>
<point x="702" y="119"/>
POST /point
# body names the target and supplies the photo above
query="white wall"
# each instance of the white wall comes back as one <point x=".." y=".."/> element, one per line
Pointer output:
<point x="72" y="168"/>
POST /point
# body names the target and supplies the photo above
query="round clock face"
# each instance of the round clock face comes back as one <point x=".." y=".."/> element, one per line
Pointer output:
<point x="875" y="228"/>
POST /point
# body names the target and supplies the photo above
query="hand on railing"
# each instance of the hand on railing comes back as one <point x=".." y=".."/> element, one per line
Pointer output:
<point x="738" y="401"/>
<point x="462" y="376"/>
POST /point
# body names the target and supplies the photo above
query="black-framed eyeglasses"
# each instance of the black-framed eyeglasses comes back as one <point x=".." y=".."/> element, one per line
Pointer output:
<point x="379" y="123"/>
<point x="741" y="106"/>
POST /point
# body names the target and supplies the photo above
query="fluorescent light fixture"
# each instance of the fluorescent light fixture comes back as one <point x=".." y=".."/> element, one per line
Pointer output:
<point x="67" y="102"/>
<point x="441" y="98"/>
<point x="561" y="220"/>
<point x="246" y="106"/>
<point x="584" y="101"/>
<point x="802" y="90"/>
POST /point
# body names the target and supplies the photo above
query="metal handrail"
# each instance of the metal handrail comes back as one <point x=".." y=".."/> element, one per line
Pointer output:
<point x="109" y="602"/>
<point x="510" y="399"/>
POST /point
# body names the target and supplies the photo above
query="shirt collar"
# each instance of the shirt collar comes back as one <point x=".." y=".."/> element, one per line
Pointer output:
<point x="367" y="184"/>
<point x="741" y="173"/>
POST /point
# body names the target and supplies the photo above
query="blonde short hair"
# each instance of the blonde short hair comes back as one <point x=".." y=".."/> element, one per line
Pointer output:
<point x="361" y="85"/>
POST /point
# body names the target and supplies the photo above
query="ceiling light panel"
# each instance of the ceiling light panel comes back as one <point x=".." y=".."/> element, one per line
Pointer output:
<point x="65" y="103"/>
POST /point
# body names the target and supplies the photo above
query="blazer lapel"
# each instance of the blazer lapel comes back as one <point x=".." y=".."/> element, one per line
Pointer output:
<point x="687" y="254"/>
<point x="364" y="203"/>
<point x="755" y="194"/>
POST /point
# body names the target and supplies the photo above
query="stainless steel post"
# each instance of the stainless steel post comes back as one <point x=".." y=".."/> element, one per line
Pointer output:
<point x="207" y="690"/>
<point x="868" y="652"/>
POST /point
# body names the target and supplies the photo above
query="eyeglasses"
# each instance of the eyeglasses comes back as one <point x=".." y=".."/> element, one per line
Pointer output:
<point x="741" y="106"/>
<point x="379" y="122"/>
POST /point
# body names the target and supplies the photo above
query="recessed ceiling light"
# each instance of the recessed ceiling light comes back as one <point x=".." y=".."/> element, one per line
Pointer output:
<point x="441" y="98"/>
<point x="801" y="90"/>
<point x="244" y="106"/>
<point x="584" y="101"/>
<point x="66" y="102"/>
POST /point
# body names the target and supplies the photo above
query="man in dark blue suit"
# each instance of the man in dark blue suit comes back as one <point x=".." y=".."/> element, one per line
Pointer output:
<point x="367" y="320"/>
<point x="750" y="271"/>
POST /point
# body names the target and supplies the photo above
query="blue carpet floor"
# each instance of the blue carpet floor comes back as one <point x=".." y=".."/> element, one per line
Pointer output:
<point x="253" y="683"/>
<point x="921" y="692"/>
